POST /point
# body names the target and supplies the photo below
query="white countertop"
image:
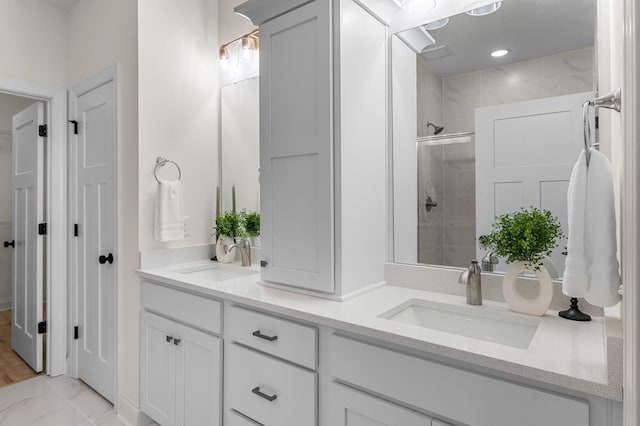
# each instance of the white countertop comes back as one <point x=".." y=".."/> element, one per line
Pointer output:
<point x="563" y="353"/>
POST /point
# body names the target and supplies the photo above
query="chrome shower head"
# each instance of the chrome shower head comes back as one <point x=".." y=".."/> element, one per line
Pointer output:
<point x="436" y="129"/>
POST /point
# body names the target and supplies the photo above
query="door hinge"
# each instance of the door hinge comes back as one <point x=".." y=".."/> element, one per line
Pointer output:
<point x="42" y="327"/>
<point x="76" y="332"/>
<point x="597" y="122"/>
<point x="75" y="126"/>
<point x="42" y="229"/>
<point x="76" y="230"/>
<point x="42" y="130"/>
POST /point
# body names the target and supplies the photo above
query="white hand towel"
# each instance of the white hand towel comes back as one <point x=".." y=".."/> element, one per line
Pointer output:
<point x="575" y="282"/>
<point x="168" y="213"/>
<point x="600" y="233"/>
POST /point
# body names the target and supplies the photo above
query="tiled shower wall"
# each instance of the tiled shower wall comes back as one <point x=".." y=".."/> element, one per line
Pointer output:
<point x="447" y="233"/>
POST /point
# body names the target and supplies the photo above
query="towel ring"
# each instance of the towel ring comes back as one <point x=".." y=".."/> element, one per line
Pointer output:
<point x="161" y="162"/>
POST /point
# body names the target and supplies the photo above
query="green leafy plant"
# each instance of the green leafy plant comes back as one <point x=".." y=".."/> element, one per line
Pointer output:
<point x="230" y="224"/>
<point x="527" y="235"/>
<point x="251" y="222"/>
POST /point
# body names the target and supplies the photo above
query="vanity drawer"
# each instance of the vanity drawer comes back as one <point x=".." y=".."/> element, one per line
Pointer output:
<point x="282" y="338"/>
<point x="235" y="419"/>
<point x="469" y="398"/>
<point x="199" y="311"/>
<point x="270" y="391"/>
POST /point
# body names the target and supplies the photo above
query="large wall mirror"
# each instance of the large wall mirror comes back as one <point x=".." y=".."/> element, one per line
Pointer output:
<point x="240" y="145"/>
<point x="487" y="118"/>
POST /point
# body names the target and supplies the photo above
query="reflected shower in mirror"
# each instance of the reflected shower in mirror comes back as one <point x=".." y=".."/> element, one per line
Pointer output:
<point x="240" y="146"/>
<point x="512" y="124"/>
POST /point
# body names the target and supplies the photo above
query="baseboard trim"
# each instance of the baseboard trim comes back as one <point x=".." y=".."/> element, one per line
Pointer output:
<point x="130" y="413"/>
<point x="5" y="304"/>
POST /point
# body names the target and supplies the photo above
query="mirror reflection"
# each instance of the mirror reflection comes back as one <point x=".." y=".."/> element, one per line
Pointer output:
<point x="488" y="108"/>
<point x="240" y="146"/>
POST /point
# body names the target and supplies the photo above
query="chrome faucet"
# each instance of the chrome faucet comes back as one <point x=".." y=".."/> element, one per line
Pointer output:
<point x="472" y="277"/>
<point x="489" y="261"/>
<point x="245" y="250"/>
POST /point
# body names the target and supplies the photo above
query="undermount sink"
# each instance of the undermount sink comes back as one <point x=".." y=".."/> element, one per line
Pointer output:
<point x="216" y="272"/>
<point x="475" y="322"/>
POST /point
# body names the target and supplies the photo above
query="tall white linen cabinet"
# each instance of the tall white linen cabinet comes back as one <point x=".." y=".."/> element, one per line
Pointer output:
<point x="323" y="144"/>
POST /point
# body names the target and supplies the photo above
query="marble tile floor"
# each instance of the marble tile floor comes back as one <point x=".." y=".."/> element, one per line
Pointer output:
<point x="54" y="401"/>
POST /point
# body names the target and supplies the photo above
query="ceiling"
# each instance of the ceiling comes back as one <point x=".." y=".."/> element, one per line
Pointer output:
<point x="65" y="4"/>
<point x="528" y="28"/>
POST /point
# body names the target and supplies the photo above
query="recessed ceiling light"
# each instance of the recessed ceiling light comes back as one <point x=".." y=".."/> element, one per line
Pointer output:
<point x="436" y="24"/>
<point x="484" y="10"/>
<point x="499" y="53"/>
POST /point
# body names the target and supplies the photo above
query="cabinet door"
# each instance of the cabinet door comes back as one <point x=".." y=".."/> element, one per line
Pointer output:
<point x="296" y="148"/>
<point x="350" y="407"/>
<point x="198" y="378"/>
<point x="157" y="368"/>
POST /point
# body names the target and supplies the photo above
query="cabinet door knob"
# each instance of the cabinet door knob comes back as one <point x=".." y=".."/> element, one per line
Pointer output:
<point x="169" y="339"/>
<point x="270" y="398"/>
<point x="176" y="341"/>
<point x="264" y="336"/>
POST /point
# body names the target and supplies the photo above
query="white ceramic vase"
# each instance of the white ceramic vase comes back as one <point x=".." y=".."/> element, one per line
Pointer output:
<point x="221" y="249"/>
<point x="518" y="303"/>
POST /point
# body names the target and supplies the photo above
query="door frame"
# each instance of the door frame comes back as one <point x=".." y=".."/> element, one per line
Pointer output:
<point x="97" y="80"/>
<point x="630" y="220"/>
<point x="56" y="189"/>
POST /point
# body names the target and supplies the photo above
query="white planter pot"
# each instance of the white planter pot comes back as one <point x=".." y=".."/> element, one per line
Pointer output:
<point x="518" y="303"/>
<point x="221" y="250"/>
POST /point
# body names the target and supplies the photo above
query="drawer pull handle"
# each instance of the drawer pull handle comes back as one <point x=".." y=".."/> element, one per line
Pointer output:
<point x="269" y="398"/>
<point x="264" y="336"/>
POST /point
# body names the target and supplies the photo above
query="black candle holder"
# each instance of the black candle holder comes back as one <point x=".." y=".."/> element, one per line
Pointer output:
<point x="574" y="313"/>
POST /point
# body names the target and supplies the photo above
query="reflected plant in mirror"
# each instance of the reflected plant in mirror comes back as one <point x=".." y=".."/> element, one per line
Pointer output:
<point x="488" y="134"/>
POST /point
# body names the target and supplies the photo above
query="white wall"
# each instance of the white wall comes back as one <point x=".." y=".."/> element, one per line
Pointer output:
<point x="33" y="41"/>
<point x="179" y="107"/>
<point x="103" y="33"/>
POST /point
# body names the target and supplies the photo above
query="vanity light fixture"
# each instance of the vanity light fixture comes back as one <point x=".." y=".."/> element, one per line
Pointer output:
<point x="499" y="53"/>
<point x="249" y="41"/>
<point x="436" y="24"/>
<point x="484" y="10"/>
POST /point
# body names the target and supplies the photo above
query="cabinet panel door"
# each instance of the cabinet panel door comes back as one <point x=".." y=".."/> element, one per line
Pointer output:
<point x="198" y="378"/>
<point x="350" y="407"/>
<point x="296" y="148"/>
<point x="157" y="368"/>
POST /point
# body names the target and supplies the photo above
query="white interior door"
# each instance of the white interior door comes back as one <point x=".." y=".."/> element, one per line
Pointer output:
<point x="94" y="212"/>
<point x="28" y="205"/>
<point x="524" y="156"/>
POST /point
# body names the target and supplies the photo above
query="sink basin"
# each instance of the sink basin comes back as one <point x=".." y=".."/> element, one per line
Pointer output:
<point x="475" y="322"/>
<point x="216" y="272"/>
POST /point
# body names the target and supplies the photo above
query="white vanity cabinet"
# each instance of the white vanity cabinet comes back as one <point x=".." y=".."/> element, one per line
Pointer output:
<point x="322" y="144"/>
<point x="180" y="366"/>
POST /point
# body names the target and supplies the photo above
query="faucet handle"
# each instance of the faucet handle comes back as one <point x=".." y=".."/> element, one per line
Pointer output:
<point x="464" y="277"/>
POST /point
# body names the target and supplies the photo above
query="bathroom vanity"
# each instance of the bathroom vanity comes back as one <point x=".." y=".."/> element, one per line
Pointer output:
<point x="231" y="352"/>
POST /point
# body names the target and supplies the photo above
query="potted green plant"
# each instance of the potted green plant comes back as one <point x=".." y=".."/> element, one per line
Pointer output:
<point x="251" y="221"/>
<point x="525" y="239"/>
<point x="229" y="226"/>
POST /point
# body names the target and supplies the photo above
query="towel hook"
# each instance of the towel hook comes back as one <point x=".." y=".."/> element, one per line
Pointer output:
<point x="161" y="162"/>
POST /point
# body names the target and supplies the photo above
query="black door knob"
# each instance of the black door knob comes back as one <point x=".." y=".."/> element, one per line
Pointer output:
<point x="104" y="259"/>
<point x="11" y="243"/>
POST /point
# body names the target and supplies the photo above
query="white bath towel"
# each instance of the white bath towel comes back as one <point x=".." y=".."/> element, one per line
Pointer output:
<point x="600" y="233"/>
<point x="575" y="281"/>
<point x="168" y="212"/>
<point x="592" y="266"/>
